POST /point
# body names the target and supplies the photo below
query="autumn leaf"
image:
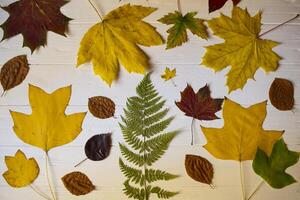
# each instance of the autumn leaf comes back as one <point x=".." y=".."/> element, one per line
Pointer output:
<point x="242" y="133"/>
<point x="243" y="48"/>
<point x="115" y="41"/>
<point x="78" y="183"/>
<point x="47" y="126"/>
<point x="199" y="105"/>
<point x="98" y="147"/>
<point x="33" y="19"/>
<point x="199" y="169"/>
<point x="217" y="4"/>
<point x="14" y="72"/>
<point x="101" y="107"/>
<point x="169" y="74"/>
<point x="21" y="171"/>
<point x="178" y="32"/>
<point x="281" y="94"/>
<point x="272" y="169"/>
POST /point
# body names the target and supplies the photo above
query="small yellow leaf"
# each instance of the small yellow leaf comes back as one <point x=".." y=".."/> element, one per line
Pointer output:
<point x="243" y="48"/>
<point x="48" y="126"/>
<point x="115" y="41"/>
<point x="169" y="74"/>
<point x="21" y="171"/>
<point x="242" y="133"/>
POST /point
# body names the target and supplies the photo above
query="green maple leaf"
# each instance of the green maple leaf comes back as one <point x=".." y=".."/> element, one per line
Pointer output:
<point x="272" y="169"/>
<point x="178" y="32"/>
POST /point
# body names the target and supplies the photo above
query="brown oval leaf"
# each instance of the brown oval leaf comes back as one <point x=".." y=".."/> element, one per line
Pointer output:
<point x="78" y="183"/>
<point x="282" y="94"/>
<point x="101" y="107"/>
<point x="98" y="147"/>
<point x="14" y="72"/>
<point x="199" y="169"/>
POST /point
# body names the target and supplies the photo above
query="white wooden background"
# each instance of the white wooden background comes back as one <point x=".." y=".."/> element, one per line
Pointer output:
<point x="54" y="66"/>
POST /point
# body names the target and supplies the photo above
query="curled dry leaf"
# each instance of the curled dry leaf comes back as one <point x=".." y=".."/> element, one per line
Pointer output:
<point x="199" y="169"/>
<point x="98" y="147"/>
<point x="282" y="94"/>
<point x="101" y="107"/>
<point x="78" y="183"/>
<point x="14" y="72"/>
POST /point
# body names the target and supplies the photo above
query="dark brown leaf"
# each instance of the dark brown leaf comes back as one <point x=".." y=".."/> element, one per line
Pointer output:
<point x="200" y="106"/>
<point x="98" y="147"/>
<point x="101" y="107"/>
<point x="14" y="72"/>
<point x="199" y="169"/>
<point x="32" y="19"/>
<point x="217" y="4"/>
<point x="78" y="183"/>
<point x="282" y="94"/>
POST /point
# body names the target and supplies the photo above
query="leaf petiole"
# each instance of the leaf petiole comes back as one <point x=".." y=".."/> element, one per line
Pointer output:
<point x="48" y="179"/>
<point x="80" y="162"/>
<point x="256" y="189"/>
<point x="96" y="9"/>
<point x="39" y="192"/>
<point x="179" y="6"/>
<point x="192" y="131"/>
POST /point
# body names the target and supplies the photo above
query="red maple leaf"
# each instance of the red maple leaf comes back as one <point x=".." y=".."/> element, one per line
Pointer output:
<point x="217" y="4"/>
<point x="32" y="19"/>
<point x="199" y="105"/>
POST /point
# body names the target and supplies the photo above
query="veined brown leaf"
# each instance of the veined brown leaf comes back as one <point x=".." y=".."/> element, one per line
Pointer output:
<point x="101" y="107"/>
<point x="78" y="183"/>
<point x="281" y="94"/>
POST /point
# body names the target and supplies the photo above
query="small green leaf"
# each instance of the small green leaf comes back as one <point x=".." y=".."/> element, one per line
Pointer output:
<point x="177" y="33"/>
<point x="272" y="169"/>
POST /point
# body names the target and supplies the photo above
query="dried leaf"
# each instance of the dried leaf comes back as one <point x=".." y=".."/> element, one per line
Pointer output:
<point x="101" y="107"/>
<point x="273" y="169"/>
<point x="115" y="41"/>
<point x="242" y="133"/>
<point x="32" y="19"/>
<point x="200" y="106"/>
<point x="48" y="126"/>
<point x="98" y="147"/>
<point x="281" y="94"/>
<point x="199" y="169"/>
<point x="243" y="49"/>
<point x="177" y="34"/>
<point x="169" y="74"/>
<point x="217" y="4"/>
<point x="14" y="72"/>
<point x="21" y="171"/>
<point x="78" y="183"/>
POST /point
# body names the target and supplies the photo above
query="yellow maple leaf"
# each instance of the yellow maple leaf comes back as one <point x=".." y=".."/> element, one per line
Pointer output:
<point x="242" y="133"/>
<point x="21" y="171"/>
<point x="169" y="74"/>
<point x="243" y="49"/>
<point x="115" y="39"/>
<point x="48" y="126"/>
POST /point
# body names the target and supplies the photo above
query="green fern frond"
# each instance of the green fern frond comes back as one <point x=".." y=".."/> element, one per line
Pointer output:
<point x="163" y="194"/>
<point x="143" y="122"/>
<point x="153" y="175"/>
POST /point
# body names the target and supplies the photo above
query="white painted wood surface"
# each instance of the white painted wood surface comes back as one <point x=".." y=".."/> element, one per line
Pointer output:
<point x="54" y="66"/>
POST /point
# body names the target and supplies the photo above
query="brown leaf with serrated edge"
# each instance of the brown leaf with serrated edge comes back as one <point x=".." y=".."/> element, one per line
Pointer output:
<point x="199" y="105"/>
<point x="78" y="183"/>
<point x="14" y="72"/>
<point x="281" y="94"/>
<point x="32" y="19"/>
<point x="101" y="107"/>
<point x="199" y="169"/>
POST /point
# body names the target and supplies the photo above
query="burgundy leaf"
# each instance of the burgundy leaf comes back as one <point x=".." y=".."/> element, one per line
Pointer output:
<point x="217" y="4"/>
<point x="33" y="18"/>
<point x="98" y="147"/>
<point x="199" y="105"/>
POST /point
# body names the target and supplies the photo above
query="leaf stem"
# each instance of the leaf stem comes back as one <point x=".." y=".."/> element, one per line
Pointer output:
<point x="173" y="82"/>
<point x="192" y="131"/>
<point x="256" y="189"/>
<point x="39" y="192"/>
<point x="242" y="180"/>
<point x="48" y="179"/>
<point x="96" y="9"/>
<point x="81" y="162"/>
<point x="179" y="6"/>
<point x="280" y="25"/>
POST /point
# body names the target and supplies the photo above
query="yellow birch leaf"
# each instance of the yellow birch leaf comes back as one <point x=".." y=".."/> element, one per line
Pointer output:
<point x="243" y="48"/>
<point x="242" y="133"/>
<point x="115" y="41"/>
<point x="21" y="171"/>
<point x="169" y="74"/>
<point x="48" y="126"/>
